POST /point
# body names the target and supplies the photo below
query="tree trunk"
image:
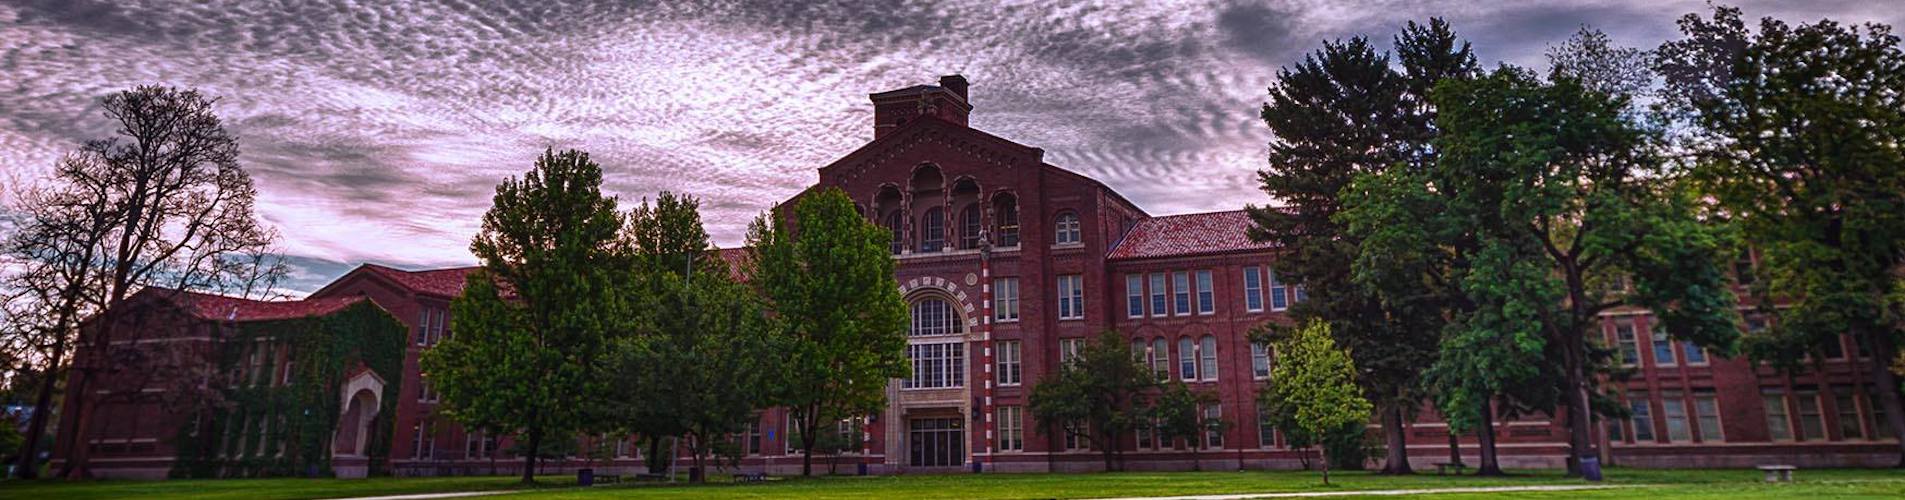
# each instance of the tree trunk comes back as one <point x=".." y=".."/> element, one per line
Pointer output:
<point x="1577" y="403"/>
<point x="653" y="460"/>
<point x="529" y="459"/>
<point x="1485" y="438"/>
<point x="1397" y="454"/>
<point x="28" y="467"/>
<point x="1455" y="448"/>
<point x="806" y="444"/>
<point x="1323" y="455"/>
<point x="1885" y="385"/>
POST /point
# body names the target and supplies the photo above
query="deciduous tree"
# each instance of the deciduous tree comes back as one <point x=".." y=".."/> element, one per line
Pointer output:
<point x="1096" y="396"/>
<point x="1317" y="381"/>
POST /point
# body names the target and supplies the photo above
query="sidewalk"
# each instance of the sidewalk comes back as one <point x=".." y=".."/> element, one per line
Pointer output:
<point x="1348" y="493"/>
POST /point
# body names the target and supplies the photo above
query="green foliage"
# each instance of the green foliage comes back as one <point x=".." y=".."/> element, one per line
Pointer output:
<point x="1178" y="411"/>
<point x="827" y="276"/>
<point x="1314" y="383"/>
<point x="304" y="413"/>
<point x="1096" y="396"/>
<point x="532" y="324"/>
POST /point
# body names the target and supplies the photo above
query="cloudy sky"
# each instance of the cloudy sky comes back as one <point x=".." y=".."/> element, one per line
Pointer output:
<point x="376" y="130"/>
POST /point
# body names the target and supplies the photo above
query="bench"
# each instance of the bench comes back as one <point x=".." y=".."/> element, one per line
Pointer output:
<point x="608" y="478"/>
<point x="750" y="477"/>
<point x="1778" y="473"/>
<point x="1444" y="468"/>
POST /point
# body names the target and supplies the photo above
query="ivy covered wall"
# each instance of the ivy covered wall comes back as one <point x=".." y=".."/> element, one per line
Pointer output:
<point x="280" y="398"/>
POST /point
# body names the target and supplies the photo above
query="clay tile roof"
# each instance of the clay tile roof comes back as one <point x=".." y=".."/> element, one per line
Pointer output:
<point x="1188" y="234"/>
<point x="444" y="282"/>
<point x="224" y="308"/>
<point x="736" y="259"/>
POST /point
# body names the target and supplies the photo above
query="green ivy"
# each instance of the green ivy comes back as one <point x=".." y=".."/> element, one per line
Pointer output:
<point x="295" y="421"/>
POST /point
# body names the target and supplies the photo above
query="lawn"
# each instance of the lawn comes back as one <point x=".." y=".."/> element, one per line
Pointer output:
<point x="1649" y="484"/>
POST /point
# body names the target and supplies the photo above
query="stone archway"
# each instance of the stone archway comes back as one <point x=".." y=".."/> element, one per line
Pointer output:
<point x="363" y="399"/>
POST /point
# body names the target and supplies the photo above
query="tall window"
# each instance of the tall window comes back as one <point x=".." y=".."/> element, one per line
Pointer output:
<point x="895" y="224"/>
<point x="1253" y="289"/>
<point x="1213" y="418"/>
<point x="1158" y="300"/>
<point x="1207" y="353"/>
<point x="478" y="445"/>
<point x="424" y="393"/>
<point x="1811" y="423"/>
<point x="1206" y="298"/>
<point x="1186" y="359"/>
<point x="1278" y="298"/>
<point x="1134" y="296"/>
<point x="1180" y="293"/>
<point x="1006" y="216"/>
<point x="1663" y="348"/>
<point x="932" y="230"/>
<point x="430" y="327"/>
<point x="936" y="365"/>
<point x="1259" y="361"/>
<point x="1848" y="409"/>
<point x="1008" y="361"/>
<point x="1643" y="417"/>
<point x="1624" y="336"/>
<point x="1779" y="425"/>
<point x="750" y="437"/>
<point x="1071" y="297"/>
<point x="1695" y="355"/>
<point x="1266" y="428"/>
<point x="1069" y="349"/>
<point x="1706" y="408"/>
<point x="1005" y="299"/>
<point x="1011" y="428"/>
<point x="969" y="227"/>
<point x="1067" y="229"/>
<point x="1161" y="358"/>
<point x="1673" y="409"/>
<point x="1299" y="294"/>
<point x="934" y="316"/>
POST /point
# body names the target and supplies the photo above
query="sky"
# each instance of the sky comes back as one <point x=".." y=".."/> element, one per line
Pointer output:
<point x="377" y="130"/>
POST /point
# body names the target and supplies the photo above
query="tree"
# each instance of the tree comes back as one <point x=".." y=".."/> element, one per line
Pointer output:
<point x="827" y="277"/>
<point x="702" y="356"/>
<point x="1317" y="380"/>
<point x="1096" y="395"/>
<point x="532" y="324"/>
<point x="1560" y="186"/>
<point x="162" y="202"/>
<point x="1178" y="413"/>
<point x="1797" y="133"/>
<point x="1342" y="112"/>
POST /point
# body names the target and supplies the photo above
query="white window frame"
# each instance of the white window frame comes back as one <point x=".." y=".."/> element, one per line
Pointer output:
<point x="1207" y="368"/>
<point x="936" y="365"/>
<point x="1010" y="362"/>
<point x="1005" y="300"/>
<point x="1071" y="297"/>
<point x="1134" y="295"/>
<point x="1279" y="293"/>
<point x="1259" y="361"/>
<point x="1253" y="289"/>
<point x="1206" y="293"/>
<point x="1180" y="293"/>
<point x="1011" y="429"/>
<point x="1159" y="302"/>
<point x="1066" y="229"/>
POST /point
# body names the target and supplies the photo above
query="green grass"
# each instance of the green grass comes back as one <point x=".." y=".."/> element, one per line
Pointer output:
<point x="1642" y="483"/>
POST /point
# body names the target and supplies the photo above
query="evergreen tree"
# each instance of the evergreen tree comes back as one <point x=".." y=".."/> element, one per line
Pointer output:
<point x="1096" y="396"/>
<point x="532" y="324"/>
<point x="1317" y="381"/>
<point x="827" y="276"/>
<point x="1797" y="134"/>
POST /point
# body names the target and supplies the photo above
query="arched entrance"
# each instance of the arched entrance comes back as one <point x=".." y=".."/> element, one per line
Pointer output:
<point x="362" y="399"/>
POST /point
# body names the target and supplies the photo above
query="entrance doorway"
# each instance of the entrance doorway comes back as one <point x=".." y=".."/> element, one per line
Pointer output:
<point x="936" y="442"/>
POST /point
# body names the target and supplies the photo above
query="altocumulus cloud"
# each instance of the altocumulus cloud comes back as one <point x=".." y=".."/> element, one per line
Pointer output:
<point x="376" y="130"/>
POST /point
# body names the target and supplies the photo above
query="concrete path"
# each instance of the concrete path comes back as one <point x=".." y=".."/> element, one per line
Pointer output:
<point x="1425" y="491"/>
<point x="427" y="496"/>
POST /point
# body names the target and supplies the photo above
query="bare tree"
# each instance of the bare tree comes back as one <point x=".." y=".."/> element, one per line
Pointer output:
<point x="161" y="202"/>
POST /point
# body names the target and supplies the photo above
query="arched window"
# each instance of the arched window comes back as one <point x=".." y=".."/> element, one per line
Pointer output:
<point x="1161" y="358"/>
<point x="932" y="230"/>
<point x="969" y="227"/>
<point x="1186" y="359"/>
<point x="894" y="224"/>
<point x="1067" y="229"/>
<point x="1207" y="350"/>
<point x="934" y="316"/>
<point x="1005" y="218"/>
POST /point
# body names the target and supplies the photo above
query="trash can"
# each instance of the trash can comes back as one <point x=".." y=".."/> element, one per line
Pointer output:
<point x="861" y="468"/>
<point x="585" y="477"/>
<point x="1591" y="469"/>
<point x="976" y="467"/>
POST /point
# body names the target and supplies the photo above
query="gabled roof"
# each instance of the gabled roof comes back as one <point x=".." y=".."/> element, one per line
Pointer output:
<point x="736" y="258"/>
<point x="446" y="282"/>
<point x="1188" y="234"/>
<point x="224" y="308"/>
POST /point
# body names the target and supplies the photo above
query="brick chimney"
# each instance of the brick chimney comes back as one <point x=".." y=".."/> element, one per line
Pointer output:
<point x="946" y="101"/>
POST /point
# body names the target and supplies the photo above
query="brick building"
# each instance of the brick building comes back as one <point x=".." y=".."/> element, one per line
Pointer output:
<point x="1008" y="264"/>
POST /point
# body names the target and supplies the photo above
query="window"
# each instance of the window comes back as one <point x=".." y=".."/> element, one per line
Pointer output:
<point x="1624" y="336"/>
<point x="1811" y="423"/>
<point x="1706" y="408"/>
<point x="1005" y="299"/>
<point x="1694" y="354"/>
<point x="934" y="316"/>
<point x="1266" y="428"/>
<point x="936" y="366"/>
<point x="1070" y="349"/>
<point x="1847" y="405"/>
<point x="1278" y="301"/>
<point x="1008" y="361"/>
<point x="1206" y="298"/>
<point x="424" y="393"/>
<point x="894" y="224"/>
<point x="1073" y="441"/>
<point x="1253" y="289"/>
<point x="1259" y="361"/>
<point x="1157" y="294"/>
<point x="1143" y="430"/>
<point x="1067" y="229"/>
<point x="1779" y="426"/>
<point x="1299" y="294"/>
<point x="1186" y="359"/>
<point x="1071" y="297"/>
<point x="1673" y="408"/>
<point x="1663" y="348"/>
<point x="1011" y="428"/>
<point x="1835" y="348"/>
<point x="1006" y="214"/>
<point x="430" y="327"/>
<point x="1134" y="296"/>
<point x="969" y="227"/>
<point x="424" y="443"/>
<point x="932" y="230"/>
<point x="1207" y="351"/>
<point x="1213" y="426"/>
<point x="750" y="437"/>
<point x="1180" y="293"/>
<point x="1643" y="420"/>
<point x="478" y="445"/>
<point x="1161" y="358"/>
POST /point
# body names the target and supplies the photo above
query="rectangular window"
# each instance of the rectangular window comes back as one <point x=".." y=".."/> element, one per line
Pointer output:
<point x="1253" y="289"/>
<point x="1143" y="431"/>
<point x="1071" y="297"/>
<point x="1811" y="423"/>
<point x="423" y="327"/>
<point x="1008" y="361"/>
<point x="1213" y="423"/>
<point x="1005" y="299"/>
<point x="1779" y="426"/>
<point x="1011" y="428"/>
<point x="1072" y="439"/>
<point x="1206" y="297"/>
<point x="1663" y="347"/>
<point x="1847" y="405"/>
<point x="1134" y="296"/>
<point x="1266" y="428"/>
<point x="751" y="437"/>
<point x="1278" y="299"/>
<point x="1207" y="353"/>
<point x="1161" y="358"/>
<point x="936" y="366"/>
<point x="1706" y="408"/>
<point x="1696" y="355"/>
<point x="1069" y="349"/>
<point x="1624" y="337"/>
<point x="1186" y="359"/>
<point x="1158" y="300"/>
<point x="1259" y="361"/>
<point x="1180" y="293"/>
<point x="1673" y="408"/>
<point x="1299" y="294"/>
<point x="1637" y="404"/>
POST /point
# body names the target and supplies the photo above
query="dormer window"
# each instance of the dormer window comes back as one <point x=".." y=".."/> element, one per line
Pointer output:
<point x="1066" y="229"/>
